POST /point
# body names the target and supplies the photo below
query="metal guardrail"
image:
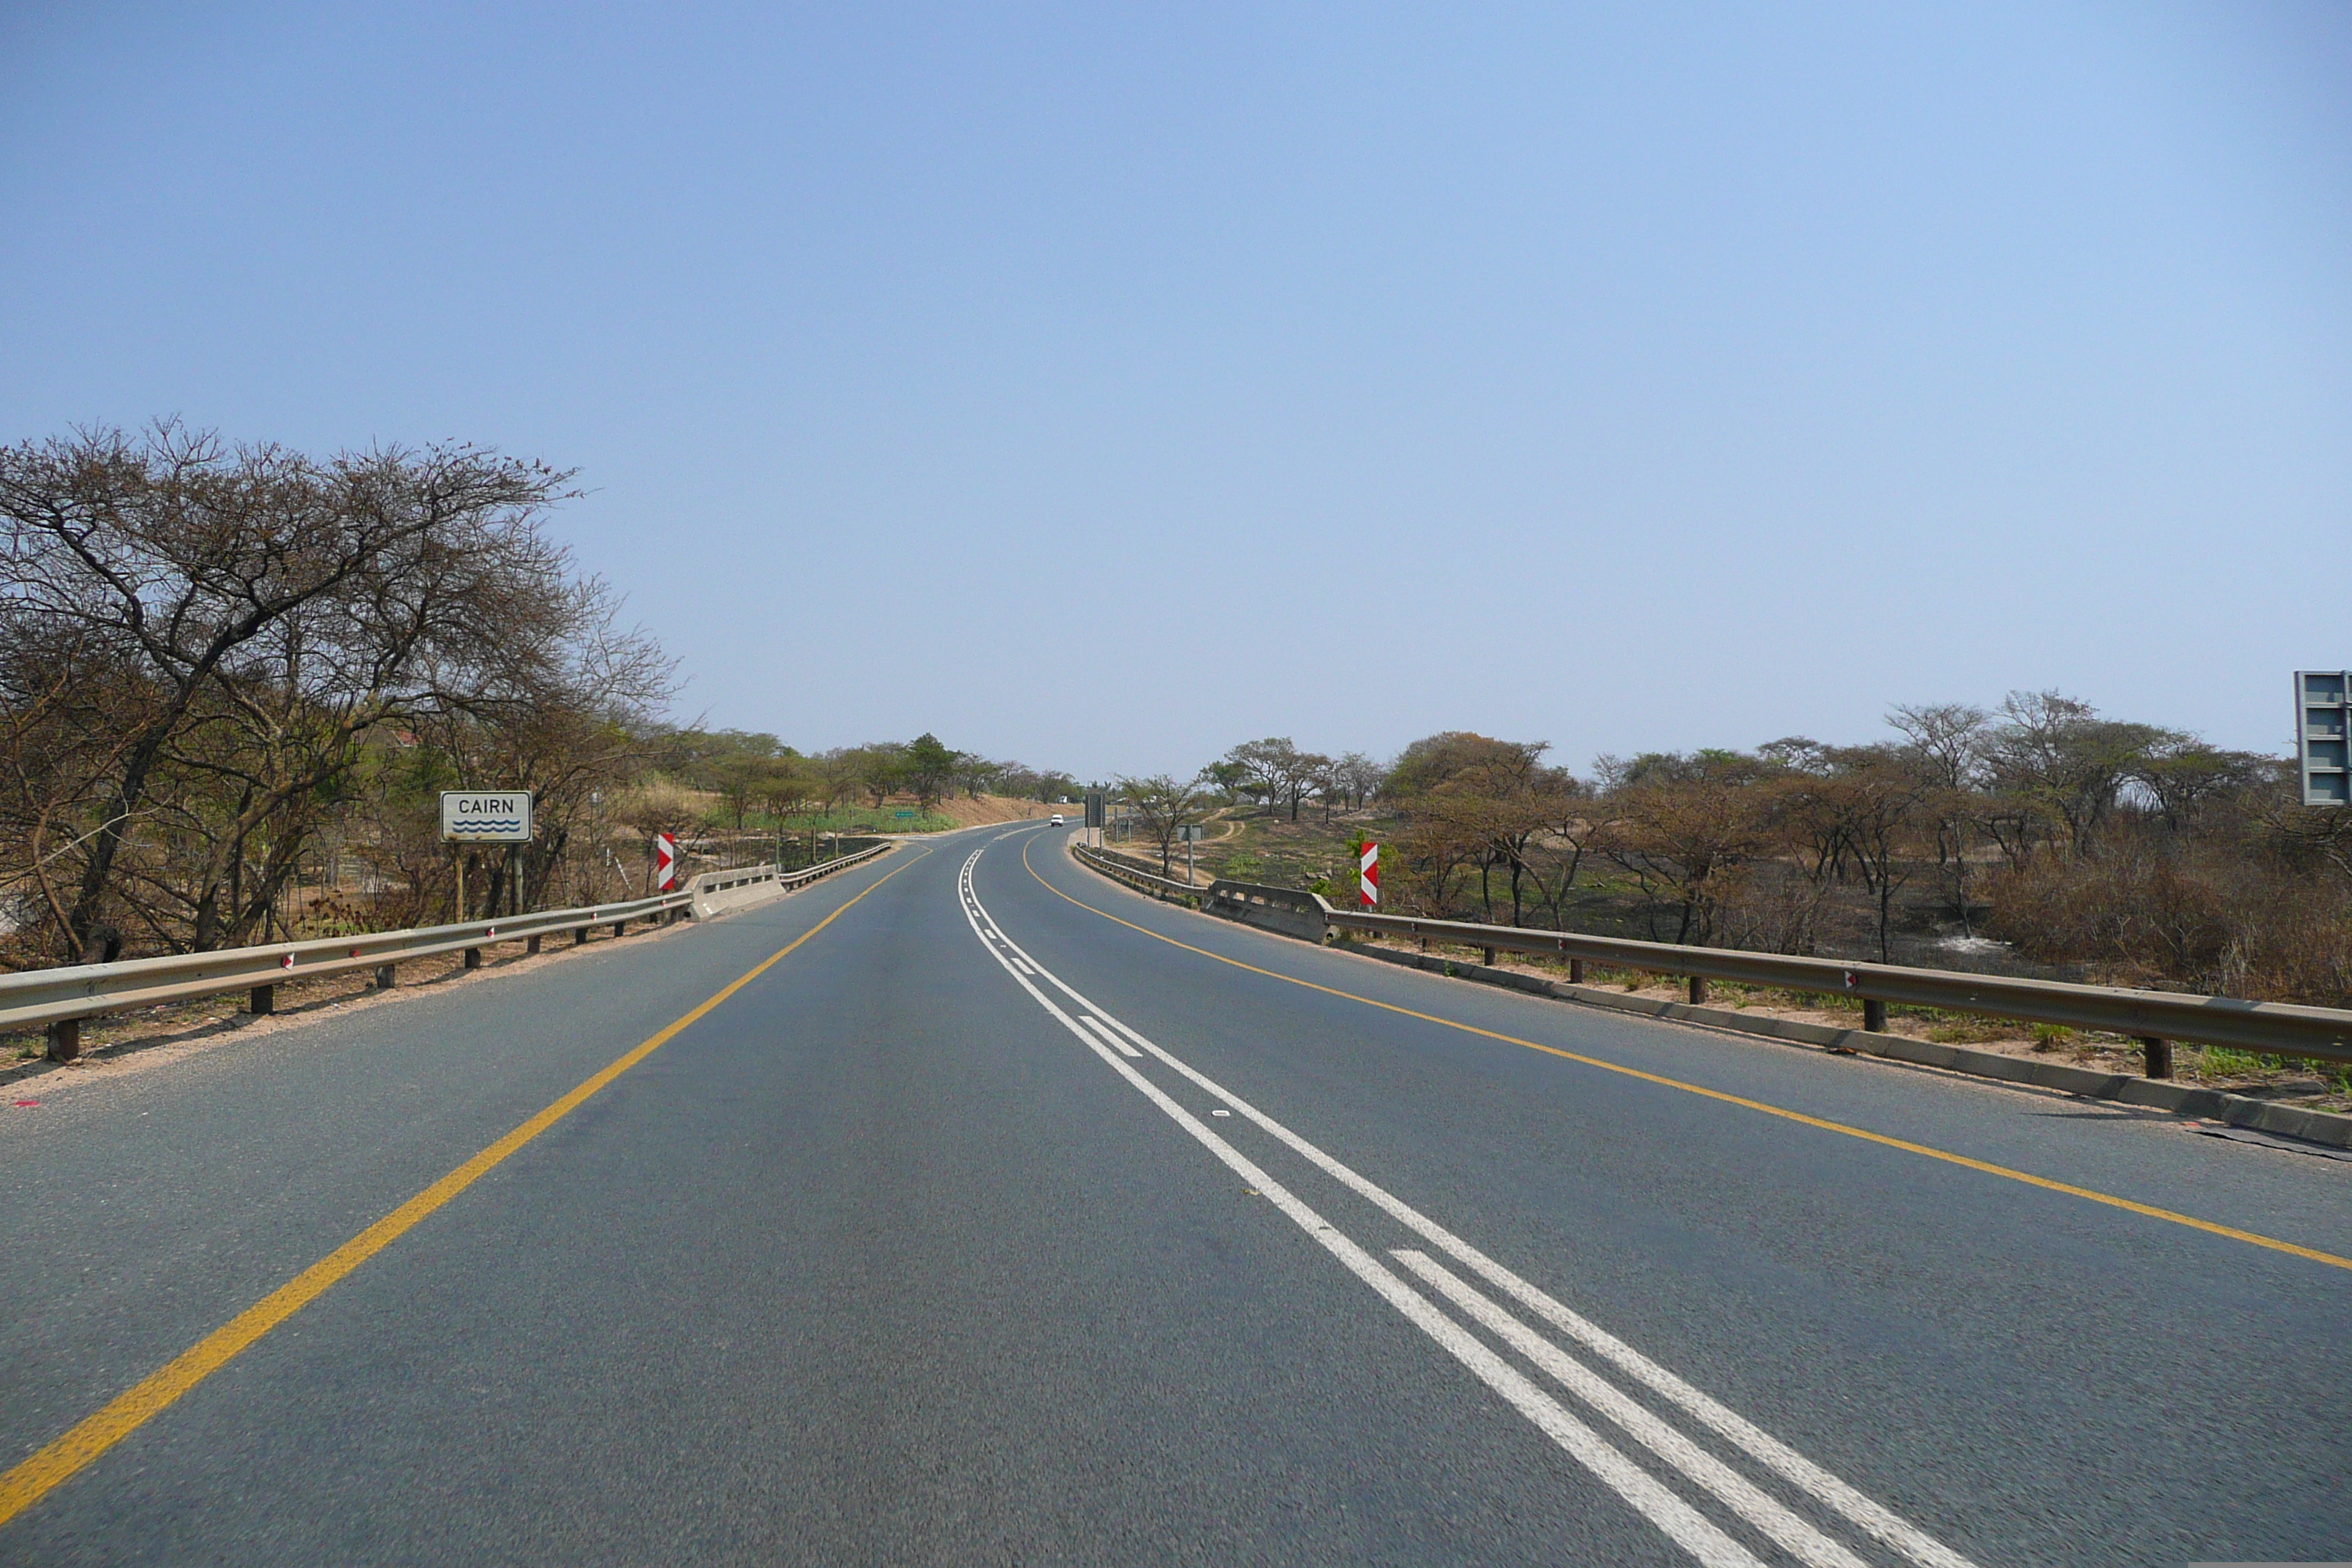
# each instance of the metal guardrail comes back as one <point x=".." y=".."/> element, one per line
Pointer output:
<point x="60" y="999"/>
<point x="2153" y="1017"/>
<point x="1135" y="875"/>
<point x="2156" y="1019"/>
<point x="707" y="883"/>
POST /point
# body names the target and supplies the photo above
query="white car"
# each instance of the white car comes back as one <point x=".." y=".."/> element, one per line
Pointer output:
<point x="1057" y="820"/>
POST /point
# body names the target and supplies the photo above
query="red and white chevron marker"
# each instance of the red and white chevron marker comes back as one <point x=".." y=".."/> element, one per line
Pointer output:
<point x="665" y="862"/>
<point x="1367" y="875"/>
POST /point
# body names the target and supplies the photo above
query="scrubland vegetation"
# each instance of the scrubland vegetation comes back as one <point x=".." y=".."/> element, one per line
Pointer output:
<point x="2039" y="837"/>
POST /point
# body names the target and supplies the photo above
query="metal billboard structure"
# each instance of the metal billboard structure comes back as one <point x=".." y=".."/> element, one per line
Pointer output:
<point x="2323" y="735"/>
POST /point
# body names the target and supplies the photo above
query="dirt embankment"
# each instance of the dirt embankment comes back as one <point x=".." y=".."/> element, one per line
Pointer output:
<point x="966" y="812"/>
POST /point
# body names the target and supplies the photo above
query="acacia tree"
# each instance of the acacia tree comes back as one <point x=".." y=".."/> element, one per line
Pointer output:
<point x="1278" y="771"/>
<point x="881" y="770"/>
<point x="2057" y="759"/>
<point x="1227" y="777"/>
<point x="1492" y="803"/>
<point x="1358" y="776"/>
<point x="838" y="774"/>
<point x="1685" y="828"/>
<point x="1880" y="791"/>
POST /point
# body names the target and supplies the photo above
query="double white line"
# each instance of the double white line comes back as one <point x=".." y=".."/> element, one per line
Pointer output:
<point x="1774" y="1520"/>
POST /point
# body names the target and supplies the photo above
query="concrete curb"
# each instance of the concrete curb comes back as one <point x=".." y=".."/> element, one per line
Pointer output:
<point x="2155" y="1094"/>
<point x="717" y="893"/>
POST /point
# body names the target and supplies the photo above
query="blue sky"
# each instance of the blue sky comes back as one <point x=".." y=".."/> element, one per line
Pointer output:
<point x="1102" y="387"/>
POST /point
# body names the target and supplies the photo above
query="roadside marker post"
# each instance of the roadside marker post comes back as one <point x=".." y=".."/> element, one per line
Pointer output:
<point x="1367" y="875"/>
<point x="1192" y="834"/>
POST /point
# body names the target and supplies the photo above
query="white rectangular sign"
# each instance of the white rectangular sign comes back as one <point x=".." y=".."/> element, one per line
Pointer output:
<point x="485" y="816"/>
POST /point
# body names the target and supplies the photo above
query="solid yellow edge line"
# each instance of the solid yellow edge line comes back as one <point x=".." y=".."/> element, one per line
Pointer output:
<point x="2191" y="1221"/>
<point x="37" y="1476"/>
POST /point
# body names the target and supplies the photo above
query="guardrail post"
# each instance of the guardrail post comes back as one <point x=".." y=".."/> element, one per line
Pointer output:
<point x="1576" y="972"/>
<point x="64" y="1040"/>
<point x="579" y="936"/>
<point x="473" y="958"/>
<point x="2159" y="1056"/>
<point x="1874" y="1016"/>
<point x="620" y="928"/>
<point x="532" y="946"/>
<point x="263" y="1002"/>
<point x="1698" y="990"/>
<point x="387" y="975"/>
<point x="1490" y="958"/>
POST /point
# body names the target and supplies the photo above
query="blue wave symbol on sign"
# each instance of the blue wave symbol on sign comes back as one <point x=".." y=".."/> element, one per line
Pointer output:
<point x="488" y="822"/>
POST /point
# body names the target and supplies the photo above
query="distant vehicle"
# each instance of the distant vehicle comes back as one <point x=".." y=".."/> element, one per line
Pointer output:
<point x="1057" y="820"/>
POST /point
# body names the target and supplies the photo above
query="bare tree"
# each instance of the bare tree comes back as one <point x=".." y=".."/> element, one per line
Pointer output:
<point x="270" y="612"/>
<point x="1164" y="805"/>
<point x="1360" y="776"/>
<point x="1948" y="742"/>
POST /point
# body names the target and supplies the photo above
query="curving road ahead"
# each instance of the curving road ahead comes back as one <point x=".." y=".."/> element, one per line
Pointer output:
<point x="1003" y="1216"/>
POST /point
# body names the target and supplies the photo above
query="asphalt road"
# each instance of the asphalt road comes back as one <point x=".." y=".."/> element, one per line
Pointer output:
<point x="894" y="1255"/>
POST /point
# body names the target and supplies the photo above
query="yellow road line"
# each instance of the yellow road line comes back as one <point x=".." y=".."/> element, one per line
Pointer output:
<point x="36" y="1477"/>
<point x="2250" y="1238"/>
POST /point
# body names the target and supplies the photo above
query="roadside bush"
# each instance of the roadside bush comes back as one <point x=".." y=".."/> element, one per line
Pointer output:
<point x="2238" y="925"/>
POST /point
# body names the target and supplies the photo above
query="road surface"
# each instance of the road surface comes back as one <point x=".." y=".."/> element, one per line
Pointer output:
<point x="1012" y="1217"/>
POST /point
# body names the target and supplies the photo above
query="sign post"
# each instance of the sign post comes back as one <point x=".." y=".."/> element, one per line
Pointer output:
<point x="664" y="863"/>
<point x="1192" y="834"/>
<point x="1367" y="875"/>
<point x="2323" y="735"/>
<point x="483" y="817"/>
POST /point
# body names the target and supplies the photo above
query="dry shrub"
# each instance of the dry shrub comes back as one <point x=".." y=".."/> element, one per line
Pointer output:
<point x="2157" y="914"/>
<point x="1771" y="909"/>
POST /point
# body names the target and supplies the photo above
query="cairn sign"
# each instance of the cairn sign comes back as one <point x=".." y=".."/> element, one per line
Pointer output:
<point x="485" y="816"/>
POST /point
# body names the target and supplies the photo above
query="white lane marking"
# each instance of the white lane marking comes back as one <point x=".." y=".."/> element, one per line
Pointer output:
<point x="1800" y="1539"/>
<point x="1821" y="1485"/>
<point x="1682" y="1523"/>
<point x="1108" y="1032"/>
